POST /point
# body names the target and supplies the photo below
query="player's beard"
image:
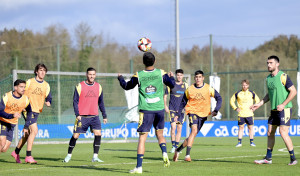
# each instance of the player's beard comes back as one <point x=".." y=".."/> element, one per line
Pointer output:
<point x="271" y="69"/>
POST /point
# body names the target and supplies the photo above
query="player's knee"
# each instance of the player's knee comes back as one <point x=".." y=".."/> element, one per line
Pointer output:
<point x="271" y="133"/>
<point x="241" y="127"/>
<point x="4" y="149"/>
<point x="283" y="132"/>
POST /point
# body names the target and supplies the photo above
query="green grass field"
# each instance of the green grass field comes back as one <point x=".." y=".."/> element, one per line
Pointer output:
<point x="210" y="156"/>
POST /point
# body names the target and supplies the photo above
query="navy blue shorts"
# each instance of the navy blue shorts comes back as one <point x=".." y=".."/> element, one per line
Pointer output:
<point x="180" y="119"/>
<point x="246" y="120"/>
<point x="81" y="126"/>
<point x="149" y="118"/>
<point x="30" y="120"/>
<point x="196" y="120"/>
<point x="280" y="117"/>
<point x="7" y="129"/>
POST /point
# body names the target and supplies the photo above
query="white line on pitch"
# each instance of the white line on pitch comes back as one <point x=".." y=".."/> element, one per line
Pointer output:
<point x="131" y="163"/>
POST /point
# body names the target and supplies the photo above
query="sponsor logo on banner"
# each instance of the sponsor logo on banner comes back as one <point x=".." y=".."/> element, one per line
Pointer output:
<point x="206" y="128"/>
<point x="209" y="129"/>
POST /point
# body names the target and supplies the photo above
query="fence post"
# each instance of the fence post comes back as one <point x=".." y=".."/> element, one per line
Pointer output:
<point x="16" y="131"/>
<point x="228" y="96"/>
<point x="58" y="86"/>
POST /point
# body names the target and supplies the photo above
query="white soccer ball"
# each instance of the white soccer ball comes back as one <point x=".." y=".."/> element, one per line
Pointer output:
<point x="144" y="44"/>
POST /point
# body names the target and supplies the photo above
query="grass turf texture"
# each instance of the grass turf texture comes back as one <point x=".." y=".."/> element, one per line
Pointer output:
<point x="210" y="156"/>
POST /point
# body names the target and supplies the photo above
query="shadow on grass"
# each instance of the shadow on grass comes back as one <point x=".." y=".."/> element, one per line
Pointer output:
<point x="145" y="158"/>
<point x="97" y="168"/>
<point x="126" y="150"/>
<point x="5" y="161"/>
<point x="218" y="161"/>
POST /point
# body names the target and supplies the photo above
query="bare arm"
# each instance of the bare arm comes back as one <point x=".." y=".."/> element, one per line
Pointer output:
<point x="262" y="102"/>
<point x="166" y="103"/>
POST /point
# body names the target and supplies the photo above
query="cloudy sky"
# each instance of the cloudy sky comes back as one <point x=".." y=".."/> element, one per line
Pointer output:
<point x="241" y="23"/>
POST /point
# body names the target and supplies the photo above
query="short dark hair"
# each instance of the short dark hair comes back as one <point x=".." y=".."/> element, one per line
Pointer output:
<point x="90" y="69"/>
<point x="19" y="81"/>
<point x="274" y="57"/>
<point x="198" y="72"/>
<point x="38" y="66"/>
<point x="148" y="59"/>
<point x="179" y="71"/>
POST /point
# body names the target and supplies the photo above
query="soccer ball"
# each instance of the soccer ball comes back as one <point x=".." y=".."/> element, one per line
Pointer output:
<point x="144" y="44"/>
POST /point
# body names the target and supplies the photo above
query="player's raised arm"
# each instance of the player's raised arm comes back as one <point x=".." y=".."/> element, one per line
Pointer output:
<point x="169" y="80"/>
<point x="130" y="84"/>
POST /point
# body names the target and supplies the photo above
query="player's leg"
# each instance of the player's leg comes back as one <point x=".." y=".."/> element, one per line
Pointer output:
<point x="173" y="136"/>
<point x="33" y="132"/>
<point x="2" y="143"/>
<point x="79" y="127"/>
<point x="24" y="137"/>
<point x="251" y="135"/>
<point x="9" y="137"/>
<point x="144" y="126"/>
<point x="179" y="129"/>
<point x="22" y="142"/>
<point x="96" y="128"/>
<point x="190" y="141"/>
<point x="241" y="123"/>
<point x="250" y="123"/>
<point x="271" y="142"/>
<point x="284" y="132"/>
<point x="185" y="142"/>
<point x="178" y="135"/>
<point x="140" y="154"/>
<point x="159" y="125"/>
<point x="33" y="128"/>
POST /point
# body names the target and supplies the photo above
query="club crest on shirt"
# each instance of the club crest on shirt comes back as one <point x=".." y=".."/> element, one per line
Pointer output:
<point x="150" y="89"/>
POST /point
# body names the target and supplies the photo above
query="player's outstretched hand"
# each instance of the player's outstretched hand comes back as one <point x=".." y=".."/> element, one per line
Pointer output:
<point x="255" y="106"/>
<point x="48" y="103"/>
<point x="214" y="113"/>
<point x="17" y="115"/>
<point x="170" y="74"/>
<point x="104" y="121"/>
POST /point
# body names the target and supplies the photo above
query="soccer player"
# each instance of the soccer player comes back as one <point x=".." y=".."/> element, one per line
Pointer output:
<point x="196" y="102"/>
<point x="245" y="98"/>
<point x="281" y="91"/>
<point x="151" y="105"/>
<point x="38" y="90"/>
<point x="176" y="95"/>
<point x="11" y="106"/>
<point x="88" y="96"/>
